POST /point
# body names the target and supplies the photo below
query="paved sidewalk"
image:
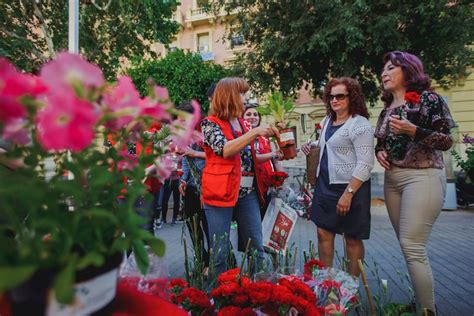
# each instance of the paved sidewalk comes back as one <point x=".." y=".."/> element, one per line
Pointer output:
<point x="450" y="248"/>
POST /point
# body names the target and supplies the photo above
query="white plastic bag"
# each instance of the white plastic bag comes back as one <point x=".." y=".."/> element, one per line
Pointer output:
<point x="278" y="225"/>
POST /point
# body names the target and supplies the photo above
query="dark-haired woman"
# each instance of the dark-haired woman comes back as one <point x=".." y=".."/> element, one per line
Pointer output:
<point x="412" y="131"/>
<point x="341" y="203"/>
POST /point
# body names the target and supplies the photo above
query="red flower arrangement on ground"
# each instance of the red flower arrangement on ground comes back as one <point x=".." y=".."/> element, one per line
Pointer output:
<point x="310" y="266"/>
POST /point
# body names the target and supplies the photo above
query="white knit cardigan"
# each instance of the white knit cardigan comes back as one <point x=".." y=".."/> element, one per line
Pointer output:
<point x="350" y="150"/>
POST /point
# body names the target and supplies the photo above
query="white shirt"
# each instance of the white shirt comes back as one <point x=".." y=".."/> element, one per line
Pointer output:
<point x="350" y="150"/>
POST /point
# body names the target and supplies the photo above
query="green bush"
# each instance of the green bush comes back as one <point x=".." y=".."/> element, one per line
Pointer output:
<point x="184" y="74"/>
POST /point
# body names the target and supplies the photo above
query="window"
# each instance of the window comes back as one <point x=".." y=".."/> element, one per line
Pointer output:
<point x="236" y="40"/>
<point x="172" y="49"/>
<point x="203" y="43"/>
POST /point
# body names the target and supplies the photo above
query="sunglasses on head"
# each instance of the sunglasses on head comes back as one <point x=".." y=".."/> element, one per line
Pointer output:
<point x="339" y="97"/>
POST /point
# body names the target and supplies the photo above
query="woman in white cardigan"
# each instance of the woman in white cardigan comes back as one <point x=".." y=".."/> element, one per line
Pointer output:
<point x="341" y="203"/>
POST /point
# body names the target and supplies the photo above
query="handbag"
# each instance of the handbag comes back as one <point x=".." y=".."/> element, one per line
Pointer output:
<point x="312" y="163"/>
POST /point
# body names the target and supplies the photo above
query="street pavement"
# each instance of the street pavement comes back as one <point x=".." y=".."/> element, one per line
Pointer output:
<point x="450" y="248"/>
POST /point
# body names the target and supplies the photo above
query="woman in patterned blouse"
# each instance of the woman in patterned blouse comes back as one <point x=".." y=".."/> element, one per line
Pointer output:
<point x="228" y="180"/>
<point x="412" y="131"/>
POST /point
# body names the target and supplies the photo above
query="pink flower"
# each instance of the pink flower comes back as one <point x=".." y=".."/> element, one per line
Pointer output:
<point x="16" y="131"/>
<point x="14" y="85"/>
<point x="124" y="100"/>
<point x="66" y="123"/>
<point x="10" y="108"/>
<point x="71" y="70"/>
<point x="129" y="161"/>
<point x="161" y="94"/>
<point x="165" y="166"/>
<point x="155" y="110"/>
<point x="183" y="129"/>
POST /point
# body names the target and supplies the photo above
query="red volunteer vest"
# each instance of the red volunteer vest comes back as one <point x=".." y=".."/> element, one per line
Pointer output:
<point x="221" y="176"/>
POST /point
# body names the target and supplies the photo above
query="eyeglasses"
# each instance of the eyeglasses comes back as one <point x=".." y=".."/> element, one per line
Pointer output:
<point x="339" y="97"/>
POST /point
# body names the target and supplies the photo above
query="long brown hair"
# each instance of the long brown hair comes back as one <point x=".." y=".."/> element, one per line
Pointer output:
<point x="356" y="97"/>
<point x="226" y="101"/>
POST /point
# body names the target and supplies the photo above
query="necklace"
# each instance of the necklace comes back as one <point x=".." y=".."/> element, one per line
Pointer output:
<point x="340" y="122"/>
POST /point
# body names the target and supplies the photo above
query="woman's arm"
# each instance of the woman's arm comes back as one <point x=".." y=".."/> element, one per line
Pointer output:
<point x="233" y="147"/>
<point x="362" y="138"/>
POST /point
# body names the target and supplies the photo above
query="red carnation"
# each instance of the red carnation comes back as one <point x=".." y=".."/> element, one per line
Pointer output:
<point x="317" y="126"/>
<point x="412" y="97"/>
<point x="178" y="282"/>
<point x="312" y="265"/>
<point x="277" y="178"/>
<point x="195" y="298"/>
<point x="236" y="311"/>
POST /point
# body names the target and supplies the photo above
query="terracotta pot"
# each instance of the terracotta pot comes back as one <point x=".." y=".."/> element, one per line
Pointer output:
<point x="95" y="290"/>
<point x="287" y="144"/>
<point x="289" y="152"/>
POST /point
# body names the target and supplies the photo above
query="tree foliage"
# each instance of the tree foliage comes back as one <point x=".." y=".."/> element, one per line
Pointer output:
<point x="184" y="74"/>
<point x="295" y="41"/>
<point x="32" y="31"/>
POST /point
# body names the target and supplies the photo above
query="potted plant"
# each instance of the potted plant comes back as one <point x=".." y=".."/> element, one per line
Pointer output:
<point x="281" y="108"/>
<point x="72" y="222"/>
<point x="467" y="165"/>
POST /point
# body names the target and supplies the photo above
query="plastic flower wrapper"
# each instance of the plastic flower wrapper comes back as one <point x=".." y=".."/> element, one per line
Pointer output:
<point x="293" y="199"/>
<point x="333" y="286"/>
<point x="153" y="282"/>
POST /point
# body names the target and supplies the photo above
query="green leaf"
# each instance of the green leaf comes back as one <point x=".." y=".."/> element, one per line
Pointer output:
<point x="63" y="285"/>
<point x="101" y="213"/>
<point x="264" y="110"/>
<point x="141" y="256"/>
<point x="14" y="276"/>
<point x="92" y="258"/>
<point x="157" y="245"/>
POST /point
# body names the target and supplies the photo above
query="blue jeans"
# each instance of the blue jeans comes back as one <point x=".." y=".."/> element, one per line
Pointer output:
<point x="247" y="214"/>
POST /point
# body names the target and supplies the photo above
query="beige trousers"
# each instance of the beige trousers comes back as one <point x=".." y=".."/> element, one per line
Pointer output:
<point x="414" y="198"/>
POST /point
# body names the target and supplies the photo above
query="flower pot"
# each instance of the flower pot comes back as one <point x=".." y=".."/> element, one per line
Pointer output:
<point x="470" y="174"/>
<point x="94" y="290"/>
<point x="287" y="143"/>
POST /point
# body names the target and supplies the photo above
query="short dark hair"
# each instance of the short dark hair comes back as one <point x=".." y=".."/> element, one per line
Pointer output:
<point x="415" y="78"/>
<point x="210" y="90"/>
<point x="185" y="106"/>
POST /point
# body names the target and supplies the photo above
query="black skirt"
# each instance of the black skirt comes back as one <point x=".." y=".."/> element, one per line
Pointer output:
<point x="355" y="224"/>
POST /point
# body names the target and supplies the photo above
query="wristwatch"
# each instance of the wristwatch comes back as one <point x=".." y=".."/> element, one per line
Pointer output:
<point x="350" y="190"/>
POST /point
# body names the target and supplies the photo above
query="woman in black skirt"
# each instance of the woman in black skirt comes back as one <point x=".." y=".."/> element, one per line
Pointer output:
<point x="341" y="203"/>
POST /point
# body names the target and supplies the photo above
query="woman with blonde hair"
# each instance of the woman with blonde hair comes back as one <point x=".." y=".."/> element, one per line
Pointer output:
<point x="229" y="179"/>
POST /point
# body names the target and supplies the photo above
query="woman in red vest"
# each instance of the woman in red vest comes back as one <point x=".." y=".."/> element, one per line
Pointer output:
<point x="230" y="179"/>
<point x="267" y="160"/>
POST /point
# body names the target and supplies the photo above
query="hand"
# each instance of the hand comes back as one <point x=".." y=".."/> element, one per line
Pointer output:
<point x="306" y="148"/>
<point x="382" y="158"/>
<point x="266" y="130"/>
<point x="344" y="204"/>
<point x="278" y="155"/>
<point x="189" y="152"/>
<point x="182" y="187"/>
<point x="402" y="126"/>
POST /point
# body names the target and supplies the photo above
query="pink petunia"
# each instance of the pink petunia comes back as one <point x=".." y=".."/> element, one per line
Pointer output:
<point x="17" y="132"/>
<point x="165" y="166"/>
<point x="66" y="123"/>
<point x="183" y="129"/>
<point x="13" y="86"/>
<point x="129" y="161"/>
<point x="123" y="100"/>
<point x="11" y="108"/>
<point x="155" y="110"/>
<point x="70" y="70"/>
